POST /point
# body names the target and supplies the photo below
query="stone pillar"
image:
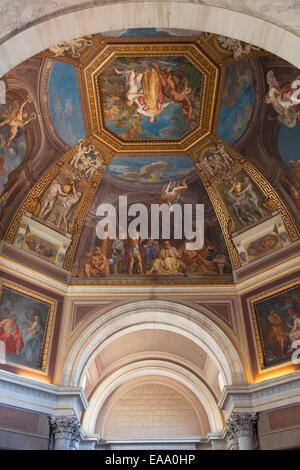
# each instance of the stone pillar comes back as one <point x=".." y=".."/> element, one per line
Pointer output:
<point x="74" y="442"/>
<point x="65" y="432"/>
<point x="240" y="431"/>
<point x="234" y="445"/>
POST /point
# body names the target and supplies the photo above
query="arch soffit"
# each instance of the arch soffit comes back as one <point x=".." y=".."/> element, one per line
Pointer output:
<point x="92" y="338"/>
<point x="138" y="357"/>
<point x="171" y="14"/>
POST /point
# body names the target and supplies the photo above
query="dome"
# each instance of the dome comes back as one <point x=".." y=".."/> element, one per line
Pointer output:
<point x="149" y="223"/>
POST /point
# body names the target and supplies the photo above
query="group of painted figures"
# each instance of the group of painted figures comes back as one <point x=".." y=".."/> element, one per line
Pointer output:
<point x="148" y="257"/>
<point x="241" y="196"/>
<point x="66" y="196"/>
<point x="146" y="90"/>
<point x="84" y="165"/>
<point x="23" y="340"/>
<point x="283" y="332"/>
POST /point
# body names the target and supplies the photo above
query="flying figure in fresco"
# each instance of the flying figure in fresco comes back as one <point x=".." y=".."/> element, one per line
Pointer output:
<point x="285" y="100"/>
<point x="147" y="89"/>
<point x="16" y="118"/>
<point x="178" y="92"/>
<point x="171" y="195"/>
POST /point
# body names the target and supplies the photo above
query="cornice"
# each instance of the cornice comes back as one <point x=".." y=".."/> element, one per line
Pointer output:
<point x="267" y="395"/>
<point x="39" y="396"/>
<point x="274" y="273"/>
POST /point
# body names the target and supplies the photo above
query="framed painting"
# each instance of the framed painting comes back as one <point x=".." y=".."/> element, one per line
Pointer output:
<point x="26" y="322"/>
<point x="276" y="317"/>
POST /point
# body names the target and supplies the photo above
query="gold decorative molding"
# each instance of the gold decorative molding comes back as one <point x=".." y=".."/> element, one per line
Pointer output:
<point x="262" y="368"/>
<point x="91" y="95"/>
<point x="62" y="166"/>
<point x="272" y="200"/>
<point x="77" y="52"/>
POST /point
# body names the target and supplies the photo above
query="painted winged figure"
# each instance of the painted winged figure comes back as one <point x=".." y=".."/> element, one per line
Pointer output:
<point x="285" y="100"/>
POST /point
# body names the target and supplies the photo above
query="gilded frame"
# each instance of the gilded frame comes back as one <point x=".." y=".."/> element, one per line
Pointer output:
<point x="43" y="363"/>
<point x="90" y="93"/>
<point x="263" y="365"/>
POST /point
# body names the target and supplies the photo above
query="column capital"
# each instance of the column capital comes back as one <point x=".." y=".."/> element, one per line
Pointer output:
<point x="67" y="427"/>
<point x="240" y="425"/>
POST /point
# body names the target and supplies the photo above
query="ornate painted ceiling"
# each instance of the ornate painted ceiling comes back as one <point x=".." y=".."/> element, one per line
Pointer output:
<point x="157" y="116"/>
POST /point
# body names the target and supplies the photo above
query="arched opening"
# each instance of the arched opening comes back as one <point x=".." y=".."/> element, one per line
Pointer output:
<point x="121" y="355"/>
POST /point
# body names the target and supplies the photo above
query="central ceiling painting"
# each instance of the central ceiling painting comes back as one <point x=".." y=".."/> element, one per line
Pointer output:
<point x="158" y="94"/>
<point x="151" y="98"/>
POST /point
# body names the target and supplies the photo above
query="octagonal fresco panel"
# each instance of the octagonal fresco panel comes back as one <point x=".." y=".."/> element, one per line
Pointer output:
<point x="151" y="98"/>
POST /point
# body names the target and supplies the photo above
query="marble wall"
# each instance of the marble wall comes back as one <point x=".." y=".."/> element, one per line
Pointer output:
<point x="280" y="429"/>
<point x="42" y="24"/>
<point x="36" y="10"/>
<point x="23" y="430"/>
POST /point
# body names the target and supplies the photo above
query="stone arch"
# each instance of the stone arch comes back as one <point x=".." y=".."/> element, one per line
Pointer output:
<point x="64" y="25"/>
<point x="91" y="338"/>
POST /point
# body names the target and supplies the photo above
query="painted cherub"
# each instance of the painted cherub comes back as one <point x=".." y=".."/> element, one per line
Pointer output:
<point x="81" y="150"/>
<point x="17" y="118"/>
<point x="237" y="48"/>
<point x="285" y="100"/>
<point x="97" y="165"/>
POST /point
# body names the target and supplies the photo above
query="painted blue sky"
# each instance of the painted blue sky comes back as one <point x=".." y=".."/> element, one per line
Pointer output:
<point x="146" y="32"/>
<point x="289" y="142"/>
<point x="151" y="169"/>
<point x="64" y="102"/>
<point x="237" y="102"/>
<point x="168" y="124"/>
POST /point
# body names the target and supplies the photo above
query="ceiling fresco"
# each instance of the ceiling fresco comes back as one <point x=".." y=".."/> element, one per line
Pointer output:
<point x="12" y="138"/>
<point x="163" y="94"/>
<point x="149" y="32"/>
<point x="237" y="102"/>
<point x="151" y="169"/>
<point x="64" y="103"/>
<point x="158" y="116"/>
<point x="150" y="98"/>
<point x="157" y="258"/>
